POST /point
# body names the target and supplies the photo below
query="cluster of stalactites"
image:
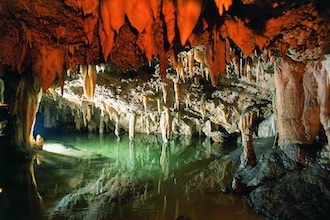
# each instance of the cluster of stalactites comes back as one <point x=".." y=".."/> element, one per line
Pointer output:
<point x="142" y="14"/>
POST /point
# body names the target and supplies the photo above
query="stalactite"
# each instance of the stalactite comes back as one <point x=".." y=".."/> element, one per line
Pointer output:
<point x="249" y="71"/>
<point x="138" y="13"/>
<point x="188" y="101"/>
<point x="241" y="71"/>
<point x="191" y="62"/>
<point x="177" y="92"/>
<point x="165" y="122"/>
<point x="168" y="10"/>
<point x="177" y="65"/>
<point x="158" y="105"/>
<point x="164" y="89"/>
<point x="49" y="63"/>
<point x="131" y="131"/>
<point x="260" y="72"/>
<point x="89" y="74"/>
<point x="113" y="115"/>
<point x="188" y="13"/>
<point x="145" y="100"/>
<point x="117" y="14"/>
<point x="22" y="57"/>
<point x="147" y="39"/>
<point x="199" y="56"/>
<point x="28" y="35"/>
<point x="202" y="107"/>
<point x="105" y="31"/>
<point x="223" y="5"/>
<point x="215" y="56"/>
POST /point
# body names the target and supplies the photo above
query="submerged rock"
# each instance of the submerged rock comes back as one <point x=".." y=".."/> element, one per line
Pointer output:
<point x="93" y="200"/>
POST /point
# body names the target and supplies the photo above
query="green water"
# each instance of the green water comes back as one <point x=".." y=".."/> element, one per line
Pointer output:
<point x="172" y="176"/>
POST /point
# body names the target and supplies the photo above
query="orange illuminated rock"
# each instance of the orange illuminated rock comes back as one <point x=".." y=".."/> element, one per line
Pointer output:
<point x="88" y="6"/>
<point x="146" y="42"/>
<point x="187" y="16"/>
<point x="117" y="13"/>
<point x="106" y="32"/>
<point x="168" y="10"/>
<point x="223" y="5"/>
<point x="298" y="110"/>
<point x="89" y="75"/>
<point x="49" y="63"/>
<point x="155" y="7"/>
<point x="138" y="13"/>
<point x="215" y="57"/>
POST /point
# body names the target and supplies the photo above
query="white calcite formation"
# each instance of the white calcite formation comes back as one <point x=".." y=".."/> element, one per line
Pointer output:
<point x="149" y="105"/>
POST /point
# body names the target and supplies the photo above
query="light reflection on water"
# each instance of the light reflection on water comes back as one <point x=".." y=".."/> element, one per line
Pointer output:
<point x="170" y="175"/>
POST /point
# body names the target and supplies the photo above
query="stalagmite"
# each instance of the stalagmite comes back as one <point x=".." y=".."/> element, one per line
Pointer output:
<point x="131" y="125"/>
<point x="247" y="126"/>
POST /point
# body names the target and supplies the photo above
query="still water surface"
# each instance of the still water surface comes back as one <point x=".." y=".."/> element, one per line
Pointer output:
<point x="172" y="178"/>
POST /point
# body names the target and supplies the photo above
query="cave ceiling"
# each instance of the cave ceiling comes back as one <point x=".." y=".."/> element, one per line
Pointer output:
<point x="54" y="35"/>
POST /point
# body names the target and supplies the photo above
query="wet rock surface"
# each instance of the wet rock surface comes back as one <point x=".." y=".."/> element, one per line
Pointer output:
<point x="300" y="194"/>
<point x="93" y="200"/>
<point x="280" y="188"/>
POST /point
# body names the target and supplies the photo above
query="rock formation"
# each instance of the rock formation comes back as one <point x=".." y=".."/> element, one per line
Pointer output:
<point x="239" y="45"/>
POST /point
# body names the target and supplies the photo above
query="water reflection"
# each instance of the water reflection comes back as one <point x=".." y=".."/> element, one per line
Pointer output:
<point x="97" y="177"/>
<point x="19" y="196"/>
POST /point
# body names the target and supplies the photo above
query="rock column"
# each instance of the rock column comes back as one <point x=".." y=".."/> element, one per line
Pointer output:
<point x="297" y="106"/>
